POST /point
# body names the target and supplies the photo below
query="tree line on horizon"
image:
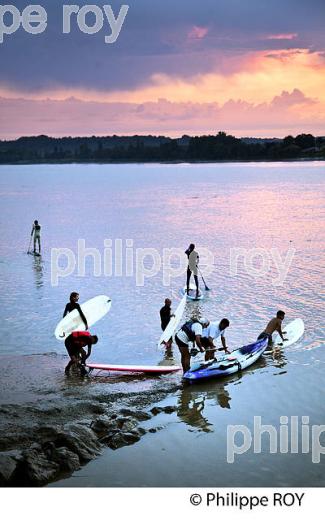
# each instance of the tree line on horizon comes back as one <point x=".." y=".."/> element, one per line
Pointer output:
<point x="219" y="147"/>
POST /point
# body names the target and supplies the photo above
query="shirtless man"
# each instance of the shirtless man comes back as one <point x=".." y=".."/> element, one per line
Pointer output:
<point x="275" y="325"/>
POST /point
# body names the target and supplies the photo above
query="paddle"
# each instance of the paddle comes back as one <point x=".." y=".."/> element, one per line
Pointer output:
<point x="205" y="285"/>
<point x="30" y="243"/>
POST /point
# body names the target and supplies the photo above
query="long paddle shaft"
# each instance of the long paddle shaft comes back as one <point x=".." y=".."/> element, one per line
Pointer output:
<point x="30" y="243"/>
<point x="205" y="285"/>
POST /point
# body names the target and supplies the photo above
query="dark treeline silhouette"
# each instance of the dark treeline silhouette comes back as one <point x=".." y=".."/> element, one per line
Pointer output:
<point x="220" y="147"/>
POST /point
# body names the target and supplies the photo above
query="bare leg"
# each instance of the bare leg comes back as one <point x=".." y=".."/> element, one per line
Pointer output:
<point x="73" y="361"/>
<point x="188" y="278"/>
<point x="197" y="284"/>
<point x="186" y="358"/>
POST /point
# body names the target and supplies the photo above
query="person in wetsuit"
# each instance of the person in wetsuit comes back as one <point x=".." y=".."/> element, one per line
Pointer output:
<point x="165" y="315"/>
<point x="75" y="344"/>
<point x="36" y="231"/>
<point x="275" y="325"/>
<point x="72" y="305"/>
<point x="193" y="260"/>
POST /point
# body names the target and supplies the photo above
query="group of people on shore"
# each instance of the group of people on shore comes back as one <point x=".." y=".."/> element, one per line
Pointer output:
<point x="196" y="335"/>
<point x="199" y="335"/>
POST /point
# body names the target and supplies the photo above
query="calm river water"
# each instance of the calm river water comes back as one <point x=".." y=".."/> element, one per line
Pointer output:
<point x="272" y="211"/>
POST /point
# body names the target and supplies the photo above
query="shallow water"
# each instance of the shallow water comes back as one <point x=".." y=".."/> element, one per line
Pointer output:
<point x="275" y="207"/>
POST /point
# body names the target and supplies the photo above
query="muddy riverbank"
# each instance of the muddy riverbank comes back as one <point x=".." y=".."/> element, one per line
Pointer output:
<point x="52" y="425"/>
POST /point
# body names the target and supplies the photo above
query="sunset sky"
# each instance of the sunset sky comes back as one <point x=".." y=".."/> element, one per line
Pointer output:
<point x="247" y="67"/>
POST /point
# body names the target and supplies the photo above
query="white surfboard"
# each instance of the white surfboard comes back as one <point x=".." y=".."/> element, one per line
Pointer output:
<point x="191" y="295"/>
<point x="294" y="330"/>
<point x="144" y="369"/>
<point x="93" y="309"/>
<point x="172" y="325"/>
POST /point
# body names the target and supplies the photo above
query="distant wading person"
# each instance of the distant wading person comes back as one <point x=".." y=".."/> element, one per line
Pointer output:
<point x="36" y="231"/>
<point x="193" y="260"/>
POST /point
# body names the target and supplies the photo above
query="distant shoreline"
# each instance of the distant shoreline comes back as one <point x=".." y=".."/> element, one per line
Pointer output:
<point x="230" y="161"/>
<point x="219" y="148"/>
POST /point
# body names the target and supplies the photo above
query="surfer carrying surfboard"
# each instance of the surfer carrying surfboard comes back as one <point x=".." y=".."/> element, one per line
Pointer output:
<point x="191" y="332"/>
<point x="72" y="305"/>
<point x="193" y="260"/>
<point x="275" y="325"/>
<point x="36" y="231"/>
<point x="75" y="344"/>
<point x="165" y="315"/>
<point x="211" y="333"/>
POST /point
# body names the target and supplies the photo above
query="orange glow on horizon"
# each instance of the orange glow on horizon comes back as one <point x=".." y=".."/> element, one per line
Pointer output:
<point x="261" y="76"/>
<point x="273" y="93"/>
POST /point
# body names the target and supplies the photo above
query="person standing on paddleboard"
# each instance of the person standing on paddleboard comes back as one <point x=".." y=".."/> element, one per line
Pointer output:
<point x="191" y="332"/>
<point x="275" y="325"/>
<point x="36" y="231"/>
<point x="165" y="315"/>
<point x="75" y="344"/>
<point x="193" y="260"/>
<point x="211" y="333"/>
<point x="72" y="305"/>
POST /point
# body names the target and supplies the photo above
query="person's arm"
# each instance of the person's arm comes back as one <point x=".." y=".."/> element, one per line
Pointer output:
<point x="211" y="344"/>
<point x="82" y="316"/>
<point x="199" y="344"/>
<point x="33" y="229"/>
<point x="89" y="352"/>
<point x="66" y="310"/>
<point x="279" y="330"/>
<point x="224" y="344"/>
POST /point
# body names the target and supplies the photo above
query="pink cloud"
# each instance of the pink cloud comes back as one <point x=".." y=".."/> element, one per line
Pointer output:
<point x="282" y="116"/>
<point x="285" y="36"/>
<point x="296" y="97"/>
<point x="197" y="32"/>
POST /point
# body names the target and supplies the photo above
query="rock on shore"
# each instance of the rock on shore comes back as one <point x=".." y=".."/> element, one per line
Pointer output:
<point x="60" y="429"/>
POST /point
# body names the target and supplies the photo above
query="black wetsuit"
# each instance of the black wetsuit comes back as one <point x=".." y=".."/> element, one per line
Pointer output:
<point x="71" y="306"/>
<point x="165" y="315"/>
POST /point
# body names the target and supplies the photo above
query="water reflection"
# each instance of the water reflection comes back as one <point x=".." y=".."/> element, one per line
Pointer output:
<point x="38" y="271"/>
<point x="277" y="356"/>
<point x="192" y="401"/>
<point x="190" y="409"/>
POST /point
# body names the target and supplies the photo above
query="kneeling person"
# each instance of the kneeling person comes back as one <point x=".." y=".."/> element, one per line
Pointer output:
<point x="75" y="344"/>
<point x="191" y="332"/>
<point x="212" y="332"/>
